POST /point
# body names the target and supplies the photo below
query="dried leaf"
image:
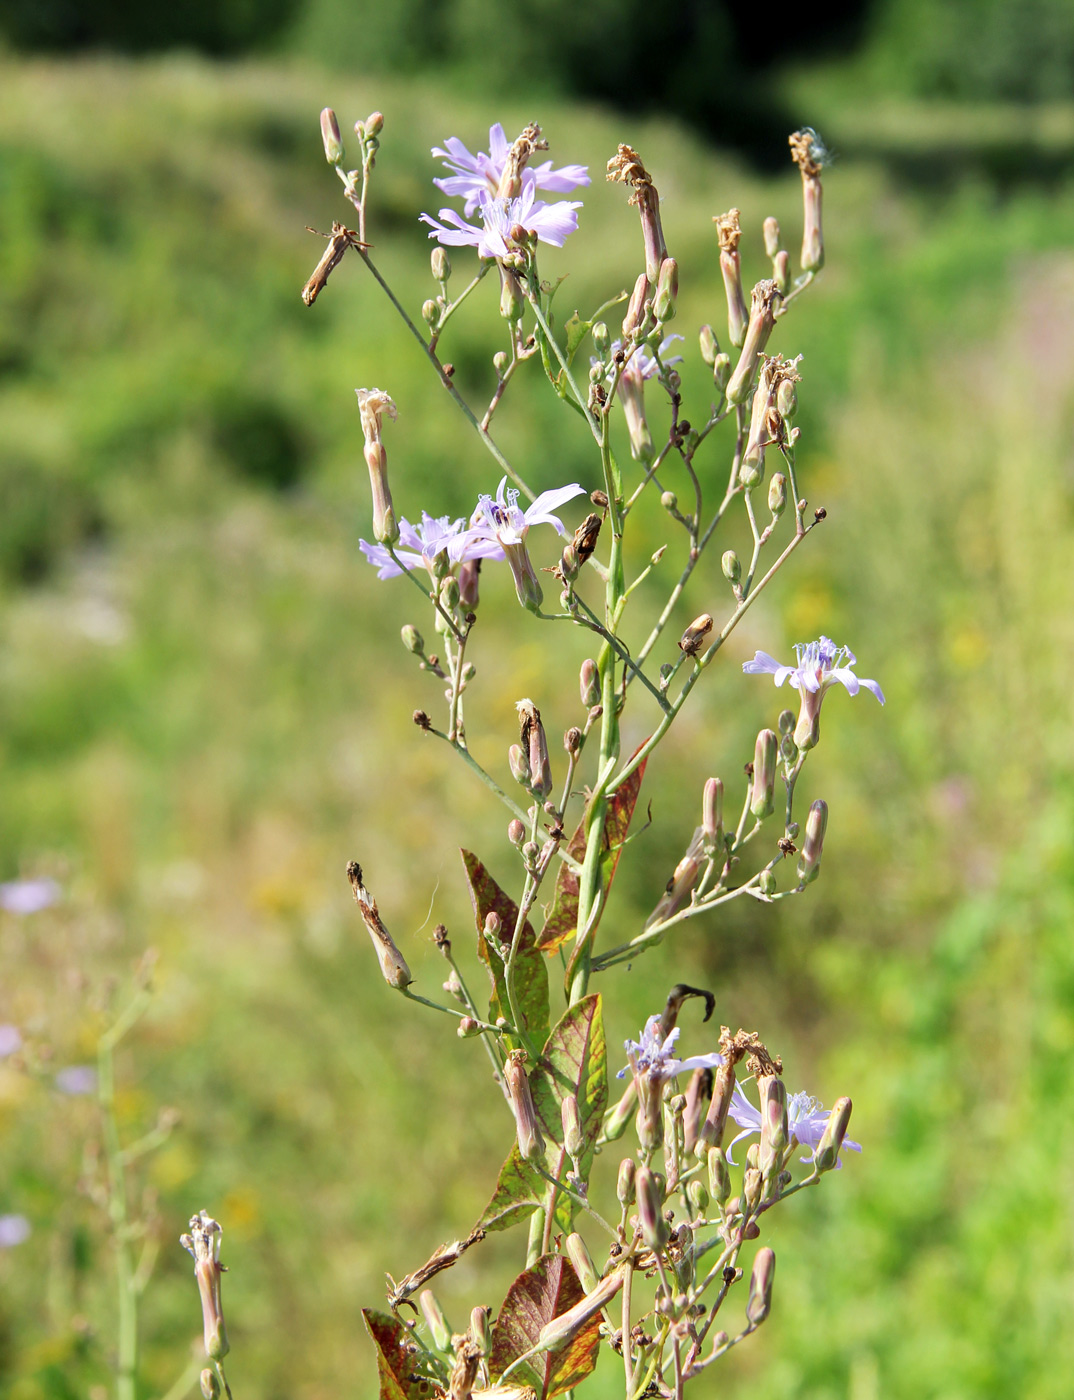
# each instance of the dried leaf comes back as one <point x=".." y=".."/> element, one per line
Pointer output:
<point x="531" y="974"/>
<point x="537" y="1297"/>
<point x="395" y="1359"/>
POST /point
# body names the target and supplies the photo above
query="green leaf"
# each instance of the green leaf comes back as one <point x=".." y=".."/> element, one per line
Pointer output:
<point x="574" y="1061"/>
<point x="531" y="974"/>
<point x="395" y="1359"/>
<point x="561" y="922"/>
<point x="537" y="1297"/>
<point x="577" y="330"/>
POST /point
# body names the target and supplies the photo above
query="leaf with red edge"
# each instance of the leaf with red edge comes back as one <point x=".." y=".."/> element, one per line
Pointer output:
<point x="537" y="1297"/>
<point x="574" y="1061"/>
<point x="531" y="974"/>
<point x="395" y="1359"/>
<point x="562" y="920"/>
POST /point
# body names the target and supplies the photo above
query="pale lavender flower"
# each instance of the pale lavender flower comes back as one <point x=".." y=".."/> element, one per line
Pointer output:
<point x="641" y="365"/>
<point x="806" y="1121"/>
<point x="474" y="177"/>
<point x="652" y="1062"/>
<point x="77" y="1079"/>
<point x="419" y="546"/>
<point x="10" y="1040"/>
<point x="820" y="665"/>
<point x="28" y="896"/>
<point x="504" y="522"/>
<point x="14" y="1229"/>
<point x="492" y="238"/>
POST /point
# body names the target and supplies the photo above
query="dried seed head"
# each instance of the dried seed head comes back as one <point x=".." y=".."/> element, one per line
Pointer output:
<point x="693" y="638"/>
<point x="763" y="306"/>
<point x="626" y="167"/>
<point x="373" y="404"/>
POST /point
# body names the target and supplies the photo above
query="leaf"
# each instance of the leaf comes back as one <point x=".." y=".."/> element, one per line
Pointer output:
<point x="561" y="922"/>
<point x="531" y="974"/>
<point x="577" y="330"/>
<point x="574" y="1061"/>
<point x="395" y="1359"/>
<point x="537" y="1297"/>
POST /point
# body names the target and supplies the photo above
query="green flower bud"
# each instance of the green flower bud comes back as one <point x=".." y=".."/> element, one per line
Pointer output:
<point x="669" y="501"/>
<point x="441" y="264"/>
<point x="439" y="1328"/>
<point x="835" y="1130"/>
<point x="710" y="346"/>
<point x="654" y="1227"/>
<point x="721" y="370"/>
<point x="520" y="768"/>
<point x="787" y="398"/>
<point x="781" y="270"/>
<point x="813" y="845"/>
<point x="374" y="124"/>
<point x="333" y="141"/>
<point x="430" y="313"/>
<point x="697" y="1193"/>
<point x="766" y="882"/>
<point x="210" y="1386"/>
<point x="786" y="721"/>
<point x="771" y="236"/>
<point x="516" y="832"/>
<point x="413" y="640"/>
<point x="573" y="1137"/>
<point x="777" y="495"/>
<point x="601" y="339"/>
<point x="760" y="1300"/>
<point x="712" y="811"/>
<point x="731" y="565"/>
<point x="719" y="1176"/>
<point x="625" y="1184"/>
<point x="580" y="1257"/>
<point x="764" y="774"/>
<point x="667" y="289"/>
<point x="589" y="684"/>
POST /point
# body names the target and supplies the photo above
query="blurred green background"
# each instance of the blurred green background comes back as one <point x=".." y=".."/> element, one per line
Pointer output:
<point x="205" y="708"/>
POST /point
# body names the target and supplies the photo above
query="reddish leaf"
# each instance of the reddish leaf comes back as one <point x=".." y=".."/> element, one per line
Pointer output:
<point x="536" y="1298"/>
<point x="395" y="1359"/>
<point x="531" y="975"/>
<point x="562" y="920"/>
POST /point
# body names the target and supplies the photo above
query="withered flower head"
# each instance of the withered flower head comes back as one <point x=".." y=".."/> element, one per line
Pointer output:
<point x="392" y="963"/>
<point x="203" y="1243"/>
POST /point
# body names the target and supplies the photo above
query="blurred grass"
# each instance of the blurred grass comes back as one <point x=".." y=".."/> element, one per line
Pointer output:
<point x="204" y="711"/>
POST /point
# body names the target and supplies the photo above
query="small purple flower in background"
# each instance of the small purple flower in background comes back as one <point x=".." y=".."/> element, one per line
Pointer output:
<point x="77" y="1079"/>
<point x="14" y="1229"/>
<point x="492" y="238"/>
<point x="652" y="1063"/>
<point x="642" y="365"/>
<point x="419" y="545"/>
<point x="28" y="896"/>
<point x="806" y="1121"/>
<point x="631" y="391"/>
<point x="820" y="665"/>
<point x="503" y="522"/>
<point x="474" y="178"/>
<point x="10" y="1040"/>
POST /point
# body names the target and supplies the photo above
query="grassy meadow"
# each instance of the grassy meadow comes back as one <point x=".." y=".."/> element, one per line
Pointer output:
<point x="205" y="711"/>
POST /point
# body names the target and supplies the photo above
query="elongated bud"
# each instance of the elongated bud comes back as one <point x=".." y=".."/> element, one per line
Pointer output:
<point x="777" y="495"/>
<point x="728" y="232"/>
<point x="771" y="236"/>
<point x="624" y="1186"/>
<point x="710" y="346"/>
<point x="209" y="1385"/>
<point x="764" y="774"/>
<point x="469" y="577"/>
<point x="654" y="1227"/>
<point x="697" y="1193"/>
<point x="631" y="396"/>
<point x="535" y="748"/>
<point x="678" y="889"/>
<point x="516" y="832"/>
<point x="512" y="299"/>
<point x="835" y="1130"/>
<point x="718" y="1175"/>
<point x="573" y="1137"/>
<point x="813" y="845"/>
<point x="203" y="1243"/>
<point x="751" y="1190"/>
<point x="763" y="304"/>
<point x="589" y="684"/>
<point x="693" y="638"/>
<point x="808" y="153"/>
<point x="761" y="1279"/>
<point x="528" y="1129"/>
<point x="616" y="1118"/>
<point x="520" y="768"/>
<point x="373" y="404"/>
<point x="635" y="312"/>
<point x="580" y="1257"/>
<point x="787" y="398"/>
<point x="721" y="370"/>
<point x="712" y="811"/>
<point x="392" y="963"/>
<point x="333" y="141"/>
<point x="774" y="1130"/>
<point x="781" y="271"/>
<point x="698" y="1096"/>
<point x="667" y="290"/>
<point x="626" y="166"/>
<point x="413" y="640"/>
<point x="441" y="264"/>
<point x="712" y="1130"/>
<point x="561" y="1330"/>
<point x="751" y="472"/>
<point x="434" y="1317"/>
<point x="374" y="124"/>
<point x="481" y="1330"/>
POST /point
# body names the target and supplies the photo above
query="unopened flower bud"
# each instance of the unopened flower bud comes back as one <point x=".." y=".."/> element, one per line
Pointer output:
<point x="751" y="1190"/>
<point x="777" y="495"/>
<point x="710" y="346"/>
<point x="333" y="141"/>
<point x="835" y="1130"/>
<point x="698" y="1096"/>
<point x="788" y="749"/>
<point x="697" y="1193"/>
<point x="601" y="339"/>
<point x="481" y="1330"/>
<point x="771" y="236"/>
<point x="516" y="832"/>
<point x="493" y="925"/>
<point x="467" y="1027"/>
<point x="721" y="370"/>
<point x="723" y="1086"/>
<point x="572" y="740"/>
<point x="580" y="1257"/>
<point x="786" y="721"/>
<point x="527" y="1127"/>
<point x="774" y="1129"/>
<point x="441" y="264"/>
<point x="210" y="1386"/>
<point x="718" y="1175"/>
<point x="764" y="774"/>
<point x="374" y="124"/>
<point x="813" y="845"/>
<point x="589" y="683"/>
<point x="667" y="289"/>
<point x="512" y="300"/>
<point x="203" y="1243"/>
<point x="654" y="1227"/>
<point x="373" y="404"/>
<point x="693" y="638"/>
<point x="731" y="565"/>
<point x="392" y="963"/>
<point x="430" y="313"/>
<point x="809" y="154"/>
<point x="760" y="1300"/>
<point x="520" y="769"/>
<point x="434" y="1317"/>
<point x="555" y="1335"/>
<point x="535" y="747"/>
<point x="635" y="314"/>
<point x="766" y="882"/>
<point x="763" y="303"/>
<point x="729" y="232"/>
<point x="573" y="1137"/>
<point x="787" y="398"/>
<point x="781" y="271"/>
<point x="624" y="1186"/>
<point x="712" y="811"/>
<point x="669" y="500"/>
<point x="413" y="640"/>
<point x="449" y="594"/>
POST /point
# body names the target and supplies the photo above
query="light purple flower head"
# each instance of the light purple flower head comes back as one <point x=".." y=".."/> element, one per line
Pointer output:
<point x="77" y="1079"/>
<point x="806" y="1121"/>
<point x="492" y="237"/>
<point x="473" y="177"/>
<point x="642" y="365"/>
<point x="28" y="896"/>
<point x="652" y="1062"/>
<point x="820" y="665"/>
<point x="14" y="1229"/>
<point x="419" y="546"/>
<point x="504" y="522"/>
<point x="630" y="390"/>
<point x="10" y="1040"/>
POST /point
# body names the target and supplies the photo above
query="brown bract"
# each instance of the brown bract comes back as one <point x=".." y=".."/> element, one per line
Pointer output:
<point x="728" y="230"/>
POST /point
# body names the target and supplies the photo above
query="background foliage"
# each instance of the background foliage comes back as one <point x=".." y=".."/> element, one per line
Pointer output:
<point x="204" y="708"/>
